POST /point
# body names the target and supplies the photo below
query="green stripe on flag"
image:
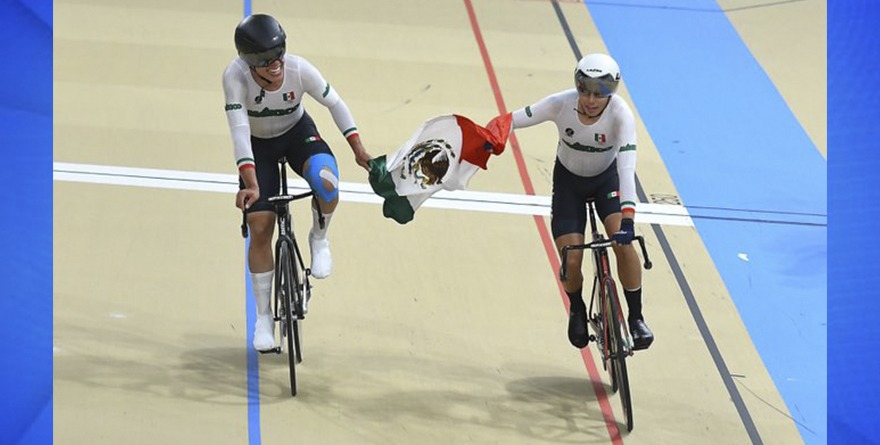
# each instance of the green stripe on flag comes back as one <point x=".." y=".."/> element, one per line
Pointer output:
<point x="395" y="207"/>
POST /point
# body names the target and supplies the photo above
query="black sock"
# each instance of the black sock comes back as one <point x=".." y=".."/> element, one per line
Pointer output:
<point x="634" y="302"/>
<point x="576" y="300"/>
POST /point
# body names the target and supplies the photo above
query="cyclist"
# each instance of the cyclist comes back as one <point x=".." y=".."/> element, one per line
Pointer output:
<point x="264" y="88"/>
<point x="595" y="158"/>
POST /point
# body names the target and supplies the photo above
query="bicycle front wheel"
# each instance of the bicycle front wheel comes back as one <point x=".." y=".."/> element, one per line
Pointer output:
<point x="287" y="287"/>
<point x="617" y="352"/>
<point x="297" y="301"/>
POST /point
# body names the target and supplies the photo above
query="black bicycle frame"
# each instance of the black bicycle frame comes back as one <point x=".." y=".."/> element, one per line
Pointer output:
<point x="599" y="249"/>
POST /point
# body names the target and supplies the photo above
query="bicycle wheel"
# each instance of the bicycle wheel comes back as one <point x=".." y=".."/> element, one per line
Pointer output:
<point x="617" y="353"/>
<point x="297" y="301"/>
<point x="287" y="287"/>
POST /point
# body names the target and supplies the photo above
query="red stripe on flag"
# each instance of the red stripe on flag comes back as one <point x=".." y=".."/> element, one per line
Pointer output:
<point x="477" y="142"/>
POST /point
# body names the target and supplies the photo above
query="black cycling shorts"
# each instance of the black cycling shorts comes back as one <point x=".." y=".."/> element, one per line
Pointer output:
<point x="570" y="195"/>
<point x="299" y="144"/>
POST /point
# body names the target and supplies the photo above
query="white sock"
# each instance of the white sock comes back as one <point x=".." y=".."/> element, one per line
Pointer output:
<point x="317" y="232"/>
<point x="262" y="283"/>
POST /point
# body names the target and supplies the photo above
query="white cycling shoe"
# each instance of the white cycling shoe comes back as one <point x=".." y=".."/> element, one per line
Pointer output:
<point x="264" y="333"/>
<point x="322" y="262"/>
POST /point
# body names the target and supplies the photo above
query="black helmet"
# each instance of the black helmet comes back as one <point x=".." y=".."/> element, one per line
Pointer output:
<point x="260" y="40"/>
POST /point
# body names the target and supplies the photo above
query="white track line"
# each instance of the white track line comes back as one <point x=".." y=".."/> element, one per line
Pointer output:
<point x="349" y="191"/>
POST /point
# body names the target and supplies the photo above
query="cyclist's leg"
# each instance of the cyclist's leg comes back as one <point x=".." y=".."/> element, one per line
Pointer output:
<point x="261" y="224"/>
<point x="629" y="269"/>
<point x="573" y="265"/>
<point x="569" y="218"/>
<point x="322" y="175"/>
<point x="568" y="221"/>
<point x="312" y="159"/>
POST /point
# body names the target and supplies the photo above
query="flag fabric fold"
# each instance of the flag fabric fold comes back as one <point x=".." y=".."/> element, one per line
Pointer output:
<point x="443" y="154"/>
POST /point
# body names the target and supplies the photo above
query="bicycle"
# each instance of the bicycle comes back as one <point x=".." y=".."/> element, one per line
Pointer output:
<point x="610" y="332"/>
<point x="292" y="289"/>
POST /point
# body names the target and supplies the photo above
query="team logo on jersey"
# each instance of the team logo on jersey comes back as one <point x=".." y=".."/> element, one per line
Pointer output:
<point x="569" y="132"/>
<point x="269" y="112"/>
<point x="289" y="97"/>
<point x="586" y="148"/>
<point x="600" y="137"/>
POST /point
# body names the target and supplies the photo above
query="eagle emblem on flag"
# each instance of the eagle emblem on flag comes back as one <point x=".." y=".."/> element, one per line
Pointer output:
<point x="428" y="162"/>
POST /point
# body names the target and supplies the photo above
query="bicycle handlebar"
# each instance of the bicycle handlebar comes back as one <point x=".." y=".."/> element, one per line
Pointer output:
<point x="277" y="200"/>
<point x="288" y="198"/>
<point x="600" y="244"/>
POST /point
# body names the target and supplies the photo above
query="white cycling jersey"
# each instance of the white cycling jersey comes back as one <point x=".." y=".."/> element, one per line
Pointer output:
<point x="588" y="150"/>
<point x="251" y="110"/>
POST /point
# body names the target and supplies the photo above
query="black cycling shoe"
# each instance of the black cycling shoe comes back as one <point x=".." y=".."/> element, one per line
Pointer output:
<point x="577" y="328"/>
<point x="642" y="336"/>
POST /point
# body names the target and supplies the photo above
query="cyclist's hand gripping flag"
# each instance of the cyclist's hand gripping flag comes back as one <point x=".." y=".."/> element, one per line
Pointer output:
<point x="443" y="154"/>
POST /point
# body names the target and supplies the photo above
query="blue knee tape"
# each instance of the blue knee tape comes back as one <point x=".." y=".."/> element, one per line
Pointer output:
<point x="317" y="163"/>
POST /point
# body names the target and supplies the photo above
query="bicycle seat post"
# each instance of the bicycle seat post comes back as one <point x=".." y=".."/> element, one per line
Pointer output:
<point x="282" y="165"/>
<point x="591" y="214"/>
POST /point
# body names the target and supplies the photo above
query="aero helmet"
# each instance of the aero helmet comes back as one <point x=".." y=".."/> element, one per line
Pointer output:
<point x="597" y="74"/>
<point x="260" y="40"/>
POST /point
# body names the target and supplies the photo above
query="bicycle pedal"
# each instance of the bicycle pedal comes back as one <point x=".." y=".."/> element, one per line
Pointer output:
<point x="276" y="350"/>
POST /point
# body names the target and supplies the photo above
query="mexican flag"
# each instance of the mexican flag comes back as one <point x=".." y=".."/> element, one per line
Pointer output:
<point x="443" y="154"/>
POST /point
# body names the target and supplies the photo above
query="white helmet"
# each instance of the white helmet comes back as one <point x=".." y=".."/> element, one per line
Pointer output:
<point x="598" y="74"/>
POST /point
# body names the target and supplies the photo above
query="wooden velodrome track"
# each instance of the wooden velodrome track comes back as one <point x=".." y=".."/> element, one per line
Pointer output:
<point x="450" y="329"/>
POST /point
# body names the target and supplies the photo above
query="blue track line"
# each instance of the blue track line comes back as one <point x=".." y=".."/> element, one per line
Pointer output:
<point x="253" y="364"/>
<point x="729" y="140"/>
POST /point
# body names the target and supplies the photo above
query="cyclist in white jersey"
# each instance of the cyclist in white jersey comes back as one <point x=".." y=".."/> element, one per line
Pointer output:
<point x="264" y="88"/>
<point x="595" y="158"/>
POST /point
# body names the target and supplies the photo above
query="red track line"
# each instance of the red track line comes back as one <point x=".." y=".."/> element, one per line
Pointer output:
<point x="549" y="247"/>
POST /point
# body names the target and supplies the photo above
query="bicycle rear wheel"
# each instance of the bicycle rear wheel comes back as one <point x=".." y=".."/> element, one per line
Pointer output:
<point x="287" y="287"/>
<point x="617" y="353"/>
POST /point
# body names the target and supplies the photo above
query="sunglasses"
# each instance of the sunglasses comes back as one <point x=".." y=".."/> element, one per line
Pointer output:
<point x="600" y="87"/>
<point x="265" y="58"/>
